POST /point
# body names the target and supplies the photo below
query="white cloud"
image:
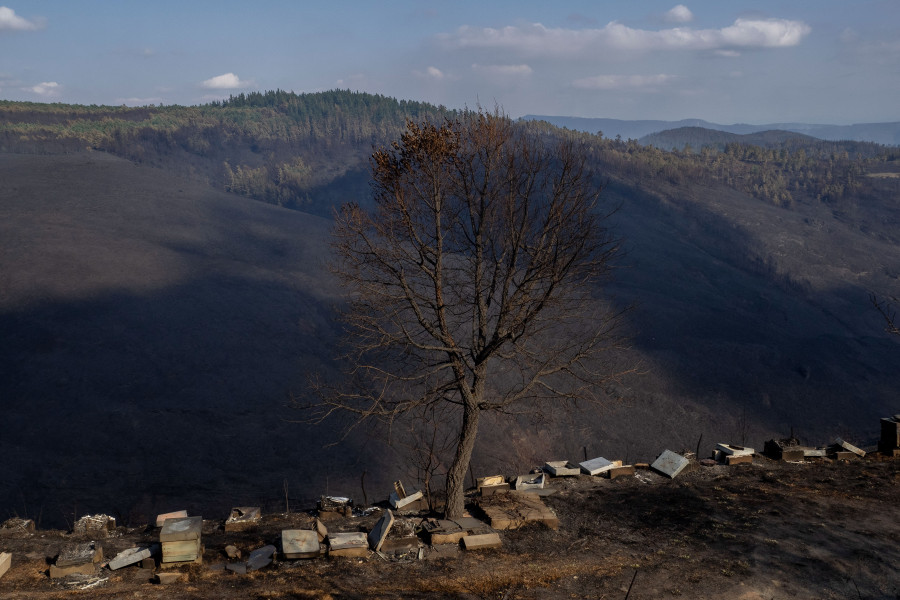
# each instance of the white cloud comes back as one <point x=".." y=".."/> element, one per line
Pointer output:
<point x="228" y="81"/>
<point x="46" y="88"/>
<point x="10" y="21"/>
<point x="679" y="14"/>
<point x="502" y="70"/>
<point x="432" y="73"/>
<point x="623" y="82"/>
<point x="537" y="40"/>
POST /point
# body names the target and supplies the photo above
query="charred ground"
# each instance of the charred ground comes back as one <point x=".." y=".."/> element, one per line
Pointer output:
<point x="759" y="531"/>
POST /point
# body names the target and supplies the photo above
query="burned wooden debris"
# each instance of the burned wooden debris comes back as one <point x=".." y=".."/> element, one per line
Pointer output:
<point x="331" y="507"/>
<point x="77" y="558"/>
<point x="243" y="518"/>
<point x="513" y="510"/>
<point x="787" y="449"/>
<point x="17" y="526"/>
<point x="445" y="531"/>
<point x="95" y="526"/>
<point x="845" y="449"/>
<point x="401" y="501"/>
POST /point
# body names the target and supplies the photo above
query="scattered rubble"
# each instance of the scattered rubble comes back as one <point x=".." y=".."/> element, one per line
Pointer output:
<point x="391" y="538"/>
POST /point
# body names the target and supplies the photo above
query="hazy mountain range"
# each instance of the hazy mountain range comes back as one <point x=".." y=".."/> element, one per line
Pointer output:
<point x="879" y="133"/>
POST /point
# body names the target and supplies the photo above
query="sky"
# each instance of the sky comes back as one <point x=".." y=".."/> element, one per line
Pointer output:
<point x="734" y="61"/>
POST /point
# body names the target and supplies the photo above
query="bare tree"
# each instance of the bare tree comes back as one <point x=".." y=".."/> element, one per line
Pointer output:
<point x="474" y="280"/>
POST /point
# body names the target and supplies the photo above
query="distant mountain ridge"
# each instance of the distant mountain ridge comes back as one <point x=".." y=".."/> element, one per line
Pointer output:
<point x="880" y="133"/>
<point x="700" y="137"/>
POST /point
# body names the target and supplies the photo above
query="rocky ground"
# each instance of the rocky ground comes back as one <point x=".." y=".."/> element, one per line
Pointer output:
<point x="765" y="530"/>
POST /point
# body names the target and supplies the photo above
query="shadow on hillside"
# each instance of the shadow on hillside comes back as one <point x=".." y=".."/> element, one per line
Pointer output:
<point x="137" y="404"/>
<point x="720" y="326"/>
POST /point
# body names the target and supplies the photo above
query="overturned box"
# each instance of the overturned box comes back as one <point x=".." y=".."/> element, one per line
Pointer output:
<point x="5" y="562"/>
<point x="242" y="518"/>
<point x="379" y="533"/>
<point x="411" y="502"/>
<point x="844" y="446"/>
<point x="670" y="464"/>
<point x="180" y="540"/>
<point x="132" y="556"/>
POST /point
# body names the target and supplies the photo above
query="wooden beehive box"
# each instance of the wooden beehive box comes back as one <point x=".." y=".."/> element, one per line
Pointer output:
<point x="180" y="539"/>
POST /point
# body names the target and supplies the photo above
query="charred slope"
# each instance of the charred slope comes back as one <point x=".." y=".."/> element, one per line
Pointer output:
<point x="152" y="328"/>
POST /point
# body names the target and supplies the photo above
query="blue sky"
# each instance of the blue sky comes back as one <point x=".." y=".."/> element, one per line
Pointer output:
<point x="822" y="61"/>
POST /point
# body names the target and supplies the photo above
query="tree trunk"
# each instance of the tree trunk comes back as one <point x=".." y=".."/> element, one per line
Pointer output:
<point x="456" y="476"/>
